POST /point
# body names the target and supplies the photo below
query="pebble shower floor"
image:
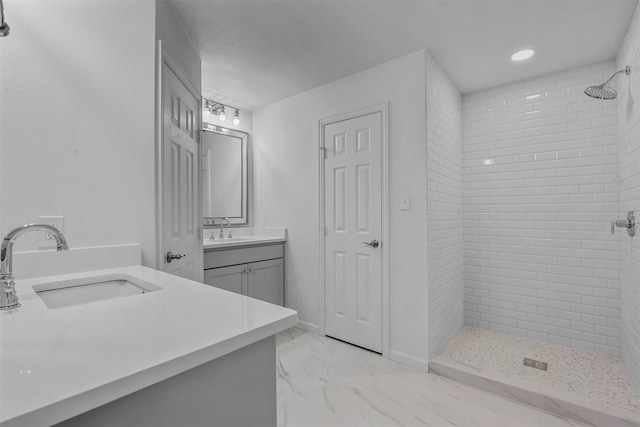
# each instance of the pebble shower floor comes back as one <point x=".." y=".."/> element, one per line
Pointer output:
<point x="592" y="375"/>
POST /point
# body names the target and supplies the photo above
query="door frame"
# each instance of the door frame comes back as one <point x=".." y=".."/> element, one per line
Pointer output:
<point x="164" y="58"/>
<point x="383" y="109"/>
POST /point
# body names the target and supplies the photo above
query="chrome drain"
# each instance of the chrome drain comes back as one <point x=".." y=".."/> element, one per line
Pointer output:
<point x="535" y="364"/>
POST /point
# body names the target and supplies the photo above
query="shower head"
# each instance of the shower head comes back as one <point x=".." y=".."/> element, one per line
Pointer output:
<point x="604" y="91"/>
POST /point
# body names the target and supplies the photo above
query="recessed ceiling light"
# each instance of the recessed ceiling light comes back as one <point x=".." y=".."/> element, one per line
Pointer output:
<point x="521" y="55"/>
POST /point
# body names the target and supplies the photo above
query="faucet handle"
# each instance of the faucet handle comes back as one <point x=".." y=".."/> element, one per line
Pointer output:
<point x="8" y="295"/>
<point x="629" y="224"/>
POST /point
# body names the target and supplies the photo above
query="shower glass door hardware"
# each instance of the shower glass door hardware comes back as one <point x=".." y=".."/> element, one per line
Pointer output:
<point x="629" y="224"/>
<point x="535" y="364"/>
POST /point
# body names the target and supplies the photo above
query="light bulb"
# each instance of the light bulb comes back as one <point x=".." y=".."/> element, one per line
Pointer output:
<point x="222" y="116"/>
<point x="236" y="118"/>
<point x="521" y="55"/>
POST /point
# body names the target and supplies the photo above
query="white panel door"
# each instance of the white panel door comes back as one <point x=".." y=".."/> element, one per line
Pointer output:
<point x="353" y="217"/>
<point x="180" y="183"/>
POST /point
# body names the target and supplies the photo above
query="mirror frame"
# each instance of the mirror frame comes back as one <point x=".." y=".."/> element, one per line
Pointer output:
<point x="244" y="137"/>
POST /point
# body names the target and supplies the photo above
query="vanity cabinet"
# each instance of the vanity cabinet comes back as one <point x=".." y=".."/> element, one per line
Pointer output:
<point x="254" y="271"/>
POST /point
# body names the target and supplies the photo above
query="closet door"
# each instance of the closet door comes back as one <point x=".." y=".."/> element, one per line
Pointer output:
<point x="353" y="230"/>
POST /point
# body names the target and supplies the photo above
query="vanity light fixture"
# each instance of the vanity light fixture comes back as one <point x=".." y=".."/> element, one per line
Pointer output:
<point x="212" y="109"/>
<point x="214" y="128"/>
<point x="521" y="55"/>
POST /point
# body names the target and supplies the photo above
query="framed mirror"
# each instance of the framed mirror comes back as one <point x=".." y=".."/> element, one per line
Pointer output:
<point x="225" y="175"/>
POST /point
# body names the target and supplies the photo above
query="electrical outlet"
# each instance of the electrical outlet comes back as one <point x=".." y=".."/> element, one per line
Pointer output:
<point x="263" y="220"/>
<point x="45" y="239"/>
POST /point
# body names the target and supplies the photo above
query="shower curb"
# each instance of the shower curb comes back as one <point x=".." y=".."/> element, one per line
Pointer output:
<point x="569" y="405"/>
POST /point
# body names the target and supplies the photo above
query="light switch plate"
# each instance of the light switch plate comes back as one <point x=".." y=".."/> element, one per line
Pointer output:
<point x="405" y="202"/>
<point x="45" y="239"/>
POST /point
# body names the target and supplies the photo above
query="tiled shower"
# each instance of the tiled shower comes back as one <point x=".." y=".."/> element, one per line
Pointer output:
<point x="543" y="170"/>
<point x="540" y="163"/>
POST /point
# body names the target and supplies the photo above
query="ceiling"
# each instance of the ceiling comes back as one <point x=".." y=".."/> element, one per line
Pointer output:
<point x="255" y="52"/>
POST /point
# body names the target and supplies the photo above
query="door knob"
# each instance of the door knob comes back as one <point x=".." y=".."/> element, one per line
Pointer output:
<point x="171" y="256"/>
<point x="373" y="243"/>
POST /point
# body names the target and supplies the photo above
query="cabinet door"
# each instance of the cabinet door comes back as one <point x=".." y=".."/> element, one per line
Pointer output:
<point x="228" y="278"/>
<point x="266" y="281"/>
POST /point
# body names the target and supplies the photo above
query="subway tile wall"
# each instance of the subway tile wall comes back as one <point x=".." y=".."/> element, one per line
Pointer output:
<point x="629" y="157"/>
<point x="540" y="167"/>
<point x="444" y="208"/>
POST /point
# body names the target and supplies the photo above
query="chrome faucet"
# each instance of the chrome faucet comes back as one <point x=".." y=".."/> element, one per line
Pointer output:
<point x="222" y="221"/>
<point x="8" y="295"/>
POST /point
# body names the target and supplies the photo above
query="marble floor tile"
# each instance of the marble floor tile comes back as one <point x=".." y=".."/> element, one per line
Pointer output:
<point x="325" y="382"/>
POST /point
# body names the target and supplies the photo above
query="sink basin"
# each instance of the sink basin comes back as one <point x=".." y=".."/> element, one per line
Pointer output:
<point x="67" y="293"/>
<point x="231" y="240"/>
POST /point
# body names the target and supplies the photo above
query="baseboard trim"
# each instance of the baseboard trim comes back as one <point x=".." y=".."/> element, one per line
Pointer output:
<point x="309" y="327"/>
<point x="406" y="359"/>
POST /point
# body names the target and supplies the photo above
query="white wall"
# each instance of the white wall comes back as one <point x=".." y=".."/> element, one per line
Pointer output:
<point x="77" y="120"/>
<point x="177" y="44"/>
<point x="286" y="190"/>
<point x="444" y="204"/>
<point x="541" y="185"/>
<point x="629" y="157"/>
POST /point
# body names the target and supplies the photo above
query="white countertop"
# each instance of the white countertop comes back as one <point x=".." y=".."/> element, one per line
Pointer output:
<point x="241" y="241"/>
<point x="243" y="237"/>
<point x="57" y="363"/>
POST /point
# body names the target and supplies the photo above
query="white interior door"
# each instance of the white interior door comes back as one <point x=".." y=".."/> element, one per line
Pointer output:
<point x="353" y="218"/>
<point x="180" y="180"/>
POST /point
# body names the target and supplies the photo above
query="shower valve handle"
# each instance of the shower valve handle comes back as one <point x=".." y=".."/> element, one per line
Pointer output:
<point x="629" y="224"/>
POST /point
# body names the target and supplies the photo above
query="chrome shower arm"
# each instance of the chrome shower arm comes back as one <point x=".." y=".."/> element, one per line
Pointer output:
<point x="626" y="70"/>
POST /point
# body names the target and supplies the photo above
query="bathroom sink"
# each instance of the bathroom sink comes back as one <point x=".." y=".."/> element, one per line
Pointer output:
<point x="67" y="293"/>
<point x="230" y="240"/>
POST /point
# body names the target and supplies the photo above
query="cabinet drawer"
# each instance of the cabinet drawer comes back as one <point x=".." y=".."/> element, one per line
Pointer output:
<point x="224" y="257"/>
